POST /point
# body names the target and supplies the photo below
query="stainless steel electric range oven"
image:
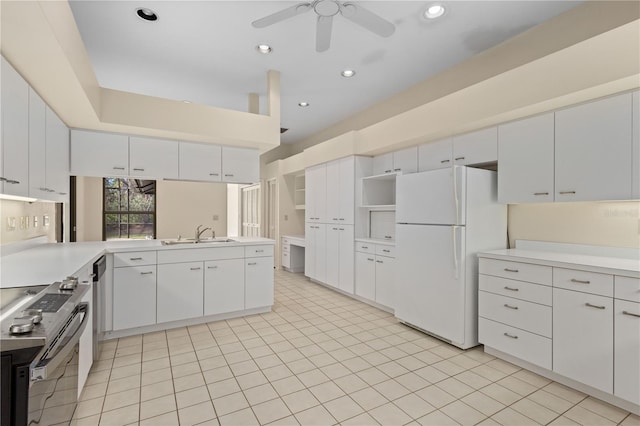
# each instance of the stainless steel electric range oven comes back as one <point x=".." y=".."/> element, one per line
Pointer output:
<point x="40" y="328"/>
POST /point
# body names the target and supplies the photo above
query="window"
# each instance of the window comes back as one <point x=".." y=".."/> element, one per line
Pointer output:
<point x="251" y="211"/>
<point x="129" y="209"/>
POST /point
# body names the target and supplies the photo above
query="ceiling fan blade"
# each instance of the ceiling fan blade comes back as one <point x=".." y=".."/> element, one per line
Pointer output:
<point x="323" y="33"/>
<point x="287" y="13"/>
<point x="367" y="19"/>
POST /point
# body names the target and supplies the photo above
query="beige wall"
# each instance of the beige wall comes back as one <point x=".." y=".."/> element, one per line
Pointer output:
<point x="615" y="224"/>
<point x="18" y="209"/>
<point x="181" y="207"/>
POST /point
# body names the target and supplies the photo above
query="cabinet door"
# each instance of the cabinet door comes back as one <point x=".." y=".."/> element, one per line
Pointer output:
<point x="134" y="297"/>
<point x="435" y="155"/>
<point x="155" y="158"/>
<point x="333" y="193"/>
<point x="525" y="156"/>
<point x="406" y="160"/>
<point x="57" y="156"/>
<point x="223" y="286"/>
<point x="200" y="162"/>
<point x="582" y="338"/>
<point x="99" y="154"/>
<point x="310" y="250"/>
<point x="476" y="147"/>
<point x="321" y="253"/>
<point x="383" y="164"/>
<point x="593" y="150"/>
<point x="180" y="291"/>
<point x="346" y="272"/>
<point x="346" y="190"/>
<point x="15" y="132"/>
<point x="316" y="193"/>
<point x="627" y="350"/>
<point x="85" y="346"/>
<point x="37" y="147"/>
<point x="333" y="256"/>
<point x="366" y="275"/>
<point x="385" y="280"/>
<point x="241" y="165"/>
<point x="258" y="282"/>
<point x="636" y="146"/>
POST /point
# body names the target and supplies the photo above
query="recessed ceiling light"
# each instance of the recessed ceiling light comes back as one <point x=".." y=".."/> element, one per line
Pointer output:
<point x="434" y="11"/>
<point x="303" y="104"/>
<point x="263" y="48"/>
<point x="348" y="73"/>
<point x="186" y="102"/>
<point x="146" y="14"/>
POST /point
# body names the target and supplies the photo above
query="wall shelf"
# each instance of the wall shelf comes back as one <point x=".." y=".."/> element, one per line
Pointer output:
<point x="379" y="191"/>
<point x="299" y="191"/>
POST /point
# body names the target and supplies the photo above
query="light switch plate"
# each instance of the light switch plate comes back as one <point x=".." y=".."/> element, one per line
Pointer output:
<point x="45" y="221"/>
<point x="11" y="224"/>
<point x="35" y="221"/>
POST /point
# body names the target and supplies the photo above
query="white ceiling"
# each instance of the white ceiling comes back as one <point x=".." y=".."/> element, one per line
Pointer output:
<point x="204" y="51"/>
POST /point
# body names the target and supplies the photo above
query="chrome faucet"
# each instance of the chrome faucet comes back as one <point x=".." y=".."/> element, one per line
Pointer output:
<point x="199" y="232"/>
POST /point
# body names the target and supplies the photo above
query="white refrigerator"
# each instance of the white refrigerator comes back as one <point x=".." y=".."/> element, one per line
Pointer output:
<point x="443" y="218"/>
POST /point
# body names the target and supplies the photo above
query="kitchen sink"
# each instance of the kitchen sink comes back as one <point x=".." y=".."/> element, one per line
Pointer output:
<point x="180" y="241"/>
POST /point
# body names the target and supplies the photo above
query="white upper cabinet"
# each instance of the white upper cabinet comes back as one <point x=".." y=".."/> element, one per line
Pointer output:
<point x="340" y="191"/>
<point x="99" y="154"/>
<point x="435" y="155"/>
<point x="37" y="147"/>
<point x="57" y="157"/>
<point x="241" y="165"/>
<point x="525" y="158"/>
<point x="594" y="150"/>
<point x="200" y="162"/>
<point x="477" y="147"/>
<point x="14" y="164"/>
<point x="316" y="193"/>
<point x="154" y="158"/>
<point x="403" y="161"/>
<point x="636" y="146"/>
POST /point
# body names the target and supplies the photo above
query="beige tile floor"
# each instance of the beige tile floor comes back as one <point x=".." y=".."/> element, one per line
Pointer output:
<point x="320" y="358"/>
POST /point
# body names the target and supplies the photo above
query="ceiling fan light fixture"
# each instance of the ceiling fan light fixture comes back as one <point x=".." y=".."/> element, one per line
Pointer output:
<point x="264" y="48"/>
<point x="348" y="73"/>
<point x="434" y="11"/>
<point x="146" y="14"/>
<point x="303" y="104"/>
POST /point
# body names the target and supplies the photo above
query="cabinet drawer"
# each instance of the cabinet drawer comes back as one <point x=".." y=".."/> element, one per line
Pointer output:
<point x="285" y="242"/>
<point x="286" y="260"/>
<point x="134" y="258"/>
<point x="521" y="344"/>
<point x="586" y="282"/>
<point x="517" y="313"/>
<point x="627" y="288"/>
<point x="517" y="271"/>
<point x="530" y="292"/>
<point x="365" y="247"/>
<point x="258" y="251"/>
<point x="384" y="250"/>
<point x="200" y="254"/>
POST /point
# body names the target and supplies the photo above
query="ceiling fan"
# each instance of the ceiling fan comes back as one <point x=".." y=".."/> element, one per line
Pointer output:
<point x="326" y="10"/>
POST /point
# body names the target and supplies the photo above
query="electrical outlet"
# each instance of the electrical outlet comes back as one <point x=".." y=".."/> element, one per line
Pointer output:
<point x="216" y="217"/>
<point x="11" y="224"/>
<point x="45" y="221"/>
<point x="35" y="221"/>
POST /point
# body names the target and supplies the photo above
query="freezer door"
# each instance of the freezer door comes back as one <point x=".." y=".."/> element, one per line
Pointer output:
<point x="430" y="269"/>
<point x="435" y="197"/>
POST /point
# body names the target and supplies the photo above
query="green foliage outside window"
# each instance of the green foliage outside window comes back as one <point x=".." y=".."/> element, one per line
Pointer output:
<point x="129" y="208"/>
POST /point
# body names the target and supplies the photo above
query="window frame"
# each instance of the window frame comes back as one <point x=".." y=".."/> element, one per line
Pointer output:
<point x="154" y="213"/>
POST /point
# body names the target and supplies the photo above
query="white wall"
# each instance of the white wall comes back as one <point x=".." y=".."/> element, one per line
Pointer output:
<point x="18" y="209"/>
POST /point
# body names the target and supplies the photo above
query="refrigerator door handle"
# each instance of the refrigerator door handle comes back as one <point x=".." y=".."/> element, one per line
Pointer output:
<point x="454" y="235"/>
<point x="455" y="196"/>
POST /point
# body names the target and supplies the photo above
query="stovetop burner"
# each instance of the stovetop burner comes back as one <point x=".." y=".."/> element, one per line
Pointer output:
<point x="50" y="302"/>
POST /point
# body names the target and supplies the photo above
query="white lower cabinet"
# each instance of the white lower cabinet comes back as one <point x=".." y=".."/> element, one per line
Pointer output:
<point x="626" y="380"/>
<point x="315" y="257"/>
<point x="258" y="281"/>
<point x="385" y="278"/>
<point x="85" y="346"/>
<point x="339" y="257"/>
<point x="223" y="286"/>
<point x="366" y="275"/>
<point x="180" y="291"/>
<point x="375" y="273"/>
<point x="582" y="338"/>
<point x="134" y="296"/>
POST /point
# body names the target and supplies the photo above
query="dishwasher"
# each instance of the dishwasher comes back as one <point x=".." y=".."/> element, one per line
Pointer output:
<point x="99" y="268"/>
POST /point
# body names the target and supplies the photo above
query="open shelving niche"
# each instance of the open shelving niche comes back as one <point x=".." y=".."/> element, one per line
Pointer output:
<point x="379" y="191"/>
<point x="299" y="191"/>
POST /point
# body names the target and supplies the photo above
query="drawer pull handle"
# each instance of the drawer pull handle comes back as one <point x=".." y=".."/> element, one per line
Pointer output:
<point x="259" y="251"/>
<point x="594" y="306"/>
<point x="388" y="171"/>
<point x="459" y="158"/>
<point x="135" y="258"/>
<point x="511" y="270"/>
<point x="369" y="259"/>
<point x="214" y="174"/>
<point x="573" y="280"/>
<point x="118" y="168"/>
<point x="138" y="170"/>
<point x="387" y="237"/>
<point x="386" y="251"/>
<point x="515" y="308"/>
<point x="212" y="267"/>
<point x="511" y="288"/>
<point x="195" y="269"/>
<point x="445" y="161"/>
<point x="397" y="170"/>
<point x="335" y="229"/>
<point x="510" y="335"/>
<point x="228" y="174"/>
<point x="365" y="247"/>
<point x="540" y="193"/>
<point x="631" y="314"/>
<point x="379" y="261"/>
<point x="335" y="218"/>
<point x="252" y="263"/>
<point x="567" y="192"/>
<point x="146" y="273"/>
<point x="342" y="218"/>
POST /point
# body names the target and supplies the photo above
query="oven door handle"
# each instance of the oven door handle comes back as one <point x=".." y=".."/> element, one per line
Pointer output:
<point x="62" y="347"/>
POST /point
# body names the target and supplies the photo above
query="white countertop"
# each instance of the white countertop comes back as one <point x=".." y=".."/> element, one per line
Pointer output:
<point x="608" y="265"/>
<point x="47" y="263"/>
<point x="297" y="240"/>
<point x="376" y="241"/>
